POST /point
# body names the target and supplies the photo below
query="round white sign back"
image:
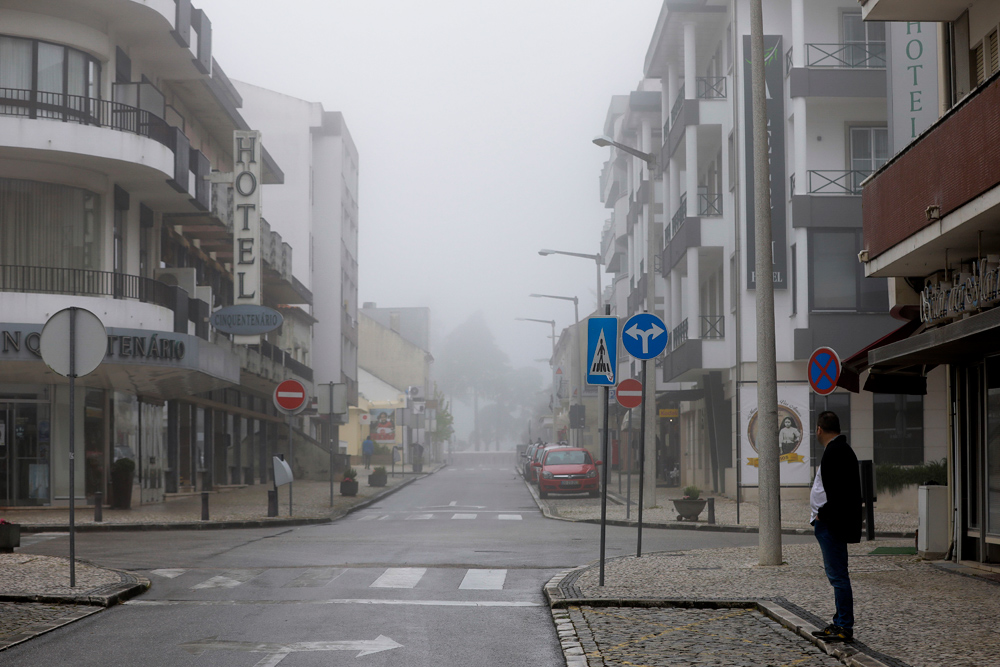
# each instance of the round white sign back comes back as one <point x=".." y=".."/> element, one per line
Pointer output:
<point x="90" y="337"/>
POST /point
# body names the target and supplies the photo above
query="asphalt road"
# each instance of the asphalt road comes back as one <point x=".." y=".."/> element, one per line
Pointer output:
<point x="446" y="572"/>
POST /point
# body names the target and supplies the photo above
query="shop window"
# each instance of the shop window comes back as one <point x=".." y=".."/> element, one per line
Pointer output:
<point x="993" y="446"/>
<point x="898" y="429"/>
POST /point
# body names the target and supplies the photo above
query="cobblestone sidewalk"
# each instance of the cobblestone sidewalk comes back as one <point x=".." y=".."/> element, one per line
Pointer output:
<point x="912" y="610"/>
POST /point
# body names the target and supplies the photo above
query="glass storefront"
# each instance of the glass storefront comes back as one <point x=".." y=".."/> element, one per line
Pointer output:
<point x="25" y="448"/>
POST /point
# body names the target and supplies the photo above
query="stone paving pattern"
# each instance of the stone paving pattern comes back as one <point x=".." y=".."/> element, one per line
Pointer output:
<point x="794" y="513"/>
<point x="904" y="607"/>
<point x="311" y="500"/>
<point x="26" y="574"/>
<point x="23" y="620"/>
<point x="664" y="636"/>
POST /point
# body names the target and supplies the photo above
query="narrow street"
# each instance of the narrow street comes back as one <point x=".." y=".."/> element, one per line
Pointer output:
<point x="449" y="571"/>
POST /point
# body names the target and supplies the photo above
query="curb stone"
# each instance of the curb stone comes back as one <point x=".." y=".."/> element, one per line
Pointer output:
<point x="129" y="586"/>
<point x="220" y="525"/>
<point x="555" y="591"/>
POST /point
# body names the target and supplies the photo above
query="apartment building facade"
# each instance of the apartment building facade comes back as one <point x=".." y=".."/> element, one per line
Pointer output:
<point x="931" y="223"/>
<point x="826" y="90"/>
<point x="112" y="116"/>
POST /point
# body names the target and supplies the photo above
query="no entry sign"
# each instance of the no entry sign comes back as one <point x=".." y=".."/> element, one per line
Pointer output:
<point x="290" y="396"/>
<point x="824" y="371"/>
<point x="629" y="393"/>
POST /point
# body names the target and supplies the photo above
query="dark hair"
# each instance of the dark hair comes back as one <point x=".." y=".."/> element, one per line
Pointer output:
<point x="829" y="422"/>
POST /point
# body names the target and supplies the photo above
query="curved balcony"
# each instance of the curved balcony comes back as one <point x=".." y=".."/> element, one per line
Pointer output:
<point x="84" y="282"/>
<point x="86" y="111"/>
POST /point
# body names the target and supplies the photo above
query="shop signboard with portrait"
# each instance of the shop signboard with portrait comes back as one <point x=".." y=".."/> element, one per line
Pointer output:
<point x="793" y="435"/>
<point x="382" y="426"/>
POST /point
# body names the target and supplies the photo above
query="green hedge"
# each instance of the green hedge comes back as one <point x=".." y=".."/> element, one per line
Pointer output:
<point x="892" y="478"/>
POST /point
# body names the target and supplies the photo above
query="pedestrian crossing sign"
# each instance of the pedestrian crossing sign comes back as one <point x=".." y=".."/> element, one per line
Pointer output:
<point x="602" y="350"/>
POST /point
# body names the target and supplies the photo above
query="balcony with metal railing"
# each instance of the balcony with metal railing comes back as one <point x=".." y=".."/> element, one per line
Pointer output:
<point x="837" y="181"/>
<point x="680" y="215"/>
<point x="679" y="335"/>
<point x="713" y="327"/>
<point x="709" y="205"/>
<point x="711" y="87"/>
<point x="86" y="111"/>
<point x="851" y="55"/>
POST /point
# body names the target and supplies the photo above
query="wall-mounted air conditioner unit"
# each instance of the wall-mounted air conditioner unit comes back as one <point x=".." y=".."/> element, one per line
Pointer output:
<point x="185" y="278"/>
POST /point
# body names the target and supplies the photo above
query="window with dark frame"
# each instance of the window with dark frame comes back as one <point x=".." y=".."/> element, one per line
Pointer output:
<point x="898" y="429"/>
<point x="836" y="277"/>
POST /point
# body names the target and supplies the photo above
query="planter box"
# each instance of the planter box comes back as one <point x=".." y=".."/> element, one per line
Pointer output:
<point x="10" y="537"/>
<point x="689" y="510"/>
<point x="378" y="479"/>
<point x="349" y="488"/>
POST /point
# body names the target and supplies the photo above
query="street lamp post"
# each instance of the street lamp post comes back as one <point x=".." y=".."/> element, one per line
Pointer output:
<point x="552" y="362"/>
<point x="577" y="365"/>
<point x="649" y="445"/>
<point x="597" y="258"/>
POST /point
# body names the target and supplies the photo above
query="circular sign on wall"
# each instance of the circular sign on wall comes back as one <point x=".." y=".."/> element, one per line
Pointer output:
<point x="629" y="393"/>
<point x="290" y="396"/>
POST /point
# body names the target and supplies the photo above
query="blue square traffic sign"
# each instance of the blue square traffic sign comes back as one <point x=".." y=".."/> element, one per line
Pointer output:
<point x="602" y="350"/>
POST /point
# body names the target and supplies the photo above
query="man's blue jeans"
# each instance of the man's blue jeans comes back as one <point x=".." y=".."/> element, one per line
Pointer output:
<point x="835" y="562"/>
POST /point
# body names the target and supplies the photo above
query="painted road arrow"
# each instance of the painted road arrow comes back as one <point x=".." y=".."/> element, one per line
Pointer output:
<point x="277" y="652"/>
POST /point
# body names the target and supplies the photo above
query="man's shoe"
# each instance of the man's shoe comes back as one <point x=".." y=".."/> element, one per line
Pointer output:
<point x="835" y="633"/>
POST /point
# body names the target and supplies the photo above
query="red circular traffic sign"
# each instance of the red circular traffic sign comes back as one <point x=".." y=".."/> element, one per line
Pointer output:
<point x="629" y="393"/>
<point x="823" y="370"/>
<point x="290" y="396"/>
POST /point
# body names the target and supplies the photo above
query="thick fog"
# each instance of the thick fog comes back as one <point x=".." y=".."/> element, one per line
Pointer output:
<point x="473" y="121"/>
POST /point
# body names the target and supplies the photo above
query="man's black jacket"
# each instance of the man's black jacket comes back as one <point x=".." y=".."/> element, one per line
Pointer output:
<point x="842" y="483"/>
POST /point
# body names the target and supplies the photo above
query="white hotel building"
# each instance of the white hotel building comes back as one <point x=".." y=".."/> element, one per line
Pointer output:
<point x="112" y="113"/>
<point x="826" y="77"/>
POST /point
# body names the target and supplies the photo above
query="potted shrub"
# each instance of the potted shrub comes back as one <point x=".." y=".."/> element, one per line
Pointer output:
<point x="10" y="536"/>
<point x="690" y="506"/>
<point x="122" y="472"/>
<point x="349" y="485"/>
<point x="377" y="477"/>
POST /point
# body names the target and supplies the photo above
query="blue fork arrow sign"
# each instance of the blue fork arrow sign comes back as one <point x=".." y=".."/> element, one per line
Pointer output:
<point x="645" y="336"/>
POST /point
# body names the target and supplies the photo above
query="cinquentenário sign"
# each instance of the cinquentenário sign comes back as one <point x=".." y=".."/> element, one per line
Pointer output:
<point x="246" y="320"/>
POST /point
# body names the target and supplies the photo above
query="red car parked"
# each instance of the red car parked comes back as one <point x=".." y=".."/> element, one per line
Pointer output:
<point x="567" y="470"/>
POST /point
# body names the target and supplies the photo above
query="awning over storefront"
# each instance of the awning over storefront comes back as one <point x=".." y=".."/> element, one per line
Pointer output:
<point x="962" y="341"/>
<point x="909" y="379"/>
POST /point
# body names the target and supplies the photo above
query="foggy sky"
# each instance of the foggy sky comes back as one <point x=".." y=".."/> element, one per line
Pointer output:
<point x="473" y="121"/>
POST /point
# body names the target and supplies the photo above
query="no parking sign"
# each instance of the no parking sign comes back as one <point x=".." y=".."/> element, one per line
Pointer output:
<point x="824" y="370"/>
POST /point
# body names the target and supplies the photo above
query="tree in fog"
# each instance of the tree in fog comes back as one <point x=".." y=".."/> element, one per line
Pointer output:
<point x="472" y="366"/>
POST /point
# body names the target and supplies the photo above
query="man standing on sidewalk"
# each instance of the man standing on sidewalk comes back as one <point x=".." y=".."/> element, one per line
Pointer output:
<point x="835" y="501"/>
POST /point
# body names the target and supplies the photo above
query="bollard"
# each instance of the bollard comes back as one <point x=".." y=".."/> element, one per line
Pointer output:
<point x="98" y="510"/>
<point x="204" y="505"/>
<point x="272" y="502"/>
<point x="711" y="510"/>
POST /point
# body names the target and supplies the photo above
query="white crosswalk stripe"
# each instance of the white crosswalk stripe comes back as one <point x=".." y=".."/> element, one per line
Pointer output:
<point x="368" y="517"/>
<point x="419" y="517"/>
<point x="230" y="579"/>
<point x="168" y="573"/>
<point x="464" y="516"/>
<point x="400" y="577"/>
<point x="484" y="580"/>
<point x="509" y="517"/>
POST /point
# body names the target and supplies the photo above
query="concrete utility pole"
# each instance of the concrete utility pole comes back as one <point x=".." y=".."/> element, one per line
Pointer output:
<point x="769" y="483"/>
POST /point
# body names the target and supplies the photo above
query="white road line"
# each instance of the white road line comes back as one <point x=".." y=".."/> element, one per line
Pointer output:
<point x="464" y="516"/>
<point x="509" y="517"/>
<point x="452" y="503"/>
<point x="168" y="573"/>
<point x="484" y="580"/>
<point x="416" y="603"/>
<point x="231" y="579"/>
<point x="383" y="518"/>
<point x="368" y="517"/>
<point x="420" y="517"/>
<point x="400" y="577"/>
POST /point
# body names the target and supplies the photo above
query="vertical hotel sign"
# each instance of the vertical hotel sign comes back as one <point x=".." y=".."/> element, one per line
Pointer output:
<point x="912" y="80"/>
<point x="774" y="79"/>
<point x="246" y="224"/>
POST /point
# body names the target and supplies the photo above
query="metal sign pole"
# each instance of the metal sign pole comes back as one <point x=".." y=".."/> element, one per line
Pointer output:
<point x="331" y="444"/>
<point x="291" y="461"/>
<point x="604" y="485"/>
<point x="642" y="458"/>
<point x="72" y="448"/>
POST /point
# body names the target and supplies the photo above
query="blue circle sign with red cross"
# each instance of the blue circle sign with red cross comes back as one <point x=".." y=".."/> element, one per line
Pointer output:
<point x="824" y="371"/>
